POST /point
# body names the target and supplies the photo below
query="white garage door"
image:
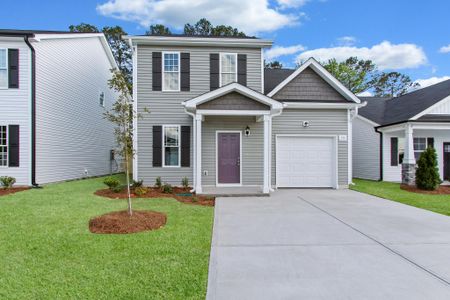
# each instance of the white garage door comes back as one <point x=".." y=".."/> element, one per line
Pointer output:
<point x="305" y="161"/>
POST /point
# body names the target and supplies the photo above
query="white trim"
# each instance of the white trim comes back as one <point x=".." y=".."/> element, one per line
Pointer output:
<point x="262" y="71"/>
<point x="163" y="72"/>
<point x="213" y="112"/>
<point x="198" y="153"/>
<point x="7" y="69"/>
<point x="321" y="105"/>
<point x="416" y="125"/>
<point x="349" y="147"/>
<point x="135" y="121"/>
<point x="322" y="72"/>
<point x="164" y="146"/>
<point x="233" y="87"/>
<point x="198" y="41"/>
<point x="7" y="147"/>
<point x="367" y="120"/>
<point x="217" y="158"/>
<point x="335" y="149"/>
<point x="266" y="182"/>
<point x="235" y="67"/>
<point x="424" y="112"/>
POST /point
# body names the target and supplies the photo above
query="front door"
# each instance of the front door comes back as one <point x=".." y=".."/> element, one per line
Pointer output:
<point x="228" y="158"/>
<point x="446" y="161"/>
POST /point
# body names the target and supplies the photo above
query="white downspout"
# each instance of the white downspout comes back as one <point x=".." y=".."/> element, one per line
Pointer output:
<point x="194" y="148"/>
<point x="271" y="146"/>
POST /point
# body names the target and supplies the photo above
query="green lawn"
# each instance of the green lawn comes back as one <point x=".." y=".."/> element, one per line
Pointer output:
<point x="47" y="251"/>
<point x="392" y="191"/>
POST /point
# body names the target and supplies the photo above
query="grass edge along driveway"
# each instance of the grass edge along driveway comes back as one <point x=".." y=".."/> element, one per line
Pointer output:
<point x="391" y="191"/>
<point x="47" y="251"/>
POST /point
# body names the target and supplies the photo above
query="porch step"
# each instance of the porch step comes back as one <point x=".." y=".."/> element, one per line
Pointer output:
<point x="240" y="191"/>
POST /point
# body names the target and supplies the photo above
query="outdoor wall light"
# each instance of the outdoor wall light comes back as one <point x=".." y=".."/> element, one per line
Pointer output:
<point x="247" y="131"/>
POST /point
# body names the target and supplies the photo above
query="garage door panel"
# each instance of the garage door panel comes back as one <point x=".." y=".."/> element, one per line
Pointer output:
<point x="305" y="161"/>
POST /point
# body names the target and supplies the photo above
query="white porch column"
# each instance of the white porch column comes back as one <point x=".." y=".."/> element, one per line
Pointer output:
<point x="266" y="186"/>
<point x="409" y="146"/>
<point x="198" y="153"/>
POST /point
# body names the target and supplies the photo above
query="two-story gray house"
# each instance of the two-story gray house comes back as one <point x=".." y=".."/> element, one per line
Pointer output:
<point x="220" y="119"/>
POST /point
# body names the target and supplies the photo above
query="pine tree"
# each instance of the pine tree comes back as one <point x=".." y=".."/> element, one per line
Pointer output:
<point x="427" y="173"/>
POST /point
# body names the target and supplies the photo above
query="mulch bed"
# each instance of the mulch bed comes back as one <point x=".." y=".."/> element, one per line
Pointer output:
<point x="442" y="190"/>
<point x="156" y="193"/>
<point x="4" y="192"/>
<point x="120" y="222"/>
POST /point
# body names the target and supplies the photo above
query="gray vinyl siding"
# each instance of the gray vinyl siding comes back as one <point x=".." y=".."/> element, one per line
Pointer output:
<point x="166" y="108"/>
<point x="322" y="122"/>
<point x="233" y="101"/>
<point x="72" y="134"/>
<point x="366" y="150"/>
<point x="15" y="110"/>
<point x="307" y="86"/>
<point x="252" y="148"/>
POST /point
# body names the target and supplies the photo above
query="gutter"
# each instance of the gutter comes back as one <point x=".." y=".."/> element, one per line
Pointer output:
<point x="33" y="112"/>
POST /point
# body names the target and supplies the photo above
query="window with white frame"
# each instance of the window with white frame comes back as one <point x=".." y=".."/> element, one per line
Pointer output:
<point x="420" y="145"/>
<point x="3" y="68"/>
<point x="401" y="149"/>
<point x="171" y="144"/>
<point x="101" y="99"/>
<point x="171" y="71"/>
<point x="228" y="68"/>
<point x="3" y="146"/>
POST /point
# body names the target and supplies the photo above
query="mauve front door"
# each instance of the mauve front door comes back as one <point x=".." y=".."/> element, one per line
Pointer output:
<point x="228" y="157"/>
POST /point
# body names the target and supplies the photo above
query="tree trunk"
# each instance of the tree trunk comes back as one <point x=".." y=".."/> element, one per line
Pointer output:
<point x="127" y="167"/>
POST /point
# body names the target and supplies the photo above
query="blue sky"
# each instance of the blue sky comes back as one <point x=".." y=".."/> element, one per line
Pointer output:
<point x="407" y="36"/>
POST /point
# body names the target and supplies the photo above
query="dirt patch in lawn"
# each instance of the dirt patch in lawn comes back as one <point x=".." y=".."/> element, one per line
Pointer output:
<point x="4" y="192"/>
<point x="180" y="194"/>
<point x="442" y="190"/>
<point x="120" y="222"/>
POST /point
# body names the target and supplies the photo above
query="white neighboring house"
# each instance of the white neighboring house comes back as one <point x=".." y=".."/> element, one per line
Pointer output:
<point x="53" y="92"/>
<point x="390" y="134"/>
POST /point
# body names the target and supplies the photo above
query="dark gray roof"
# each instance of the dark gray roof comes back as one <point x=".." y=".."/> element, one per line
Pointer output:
<point x="21" y="32"/>
<point x="386" y="111"/>
<point x="273" y="77"/>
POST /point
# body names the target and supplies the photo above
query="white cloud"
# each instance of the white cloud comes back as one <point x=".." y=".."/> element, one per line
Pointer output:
<point x="278" y="51"/>
<point x="250" y="16"/>
<point x="445" y="49"/>
<point x="346" y="41"/>
<point x="291" y="3"/>
<point x="430" y="81"/>
<point x="365" y="94"/>
<point x="385" y="55"/>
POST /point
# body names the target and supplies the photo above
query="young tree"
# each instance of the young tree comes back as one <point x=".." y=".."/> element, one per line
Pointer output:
<point x="393" y="84"/>
<point x="274" y="65"/>
<point x="204" y="27"/>
<point x="122" y="115"/>
<point x="427" y="173"/>
<point x="83" y="27"/>
<point x="158" y="29"/>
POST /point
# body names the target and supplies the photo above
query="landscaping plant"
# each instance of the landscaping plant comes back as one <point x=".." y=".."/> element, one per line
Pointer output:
<point x="167" y="188"/>
<point x="158" y="183"/>
<point x="7" y="181"/>
<point x="427" y="173"/>
<point x="140" y="190"/>
<point x="112" y="183"/>
<point x="185" y="182"/>
<point x="137" y="184"/>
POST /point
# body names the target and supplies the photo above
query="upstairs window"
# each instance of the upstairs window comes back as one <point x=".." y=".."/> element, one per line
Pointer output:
<point x="3" y="147"/>
<point x="3" y="68"/>
<point x="228" y="68"/>
<point x="171" y="71"/>
<point x="171" y="144"/>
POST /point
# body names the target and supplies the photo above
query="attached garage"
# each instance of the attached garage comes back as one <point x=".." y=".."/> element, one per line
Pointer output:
<point x="306" y="161"/>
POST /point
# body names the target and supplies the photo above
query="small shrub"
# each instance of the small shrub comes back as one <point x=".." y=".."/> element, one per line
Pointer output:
<point x="167" y="188"/>
<point x="140" y="190"/>
<point x="427" y="173"/>
<point x="194" y="199"/>
<point x="7" y="181"/>
<point x="158" y="183"/>
<point x="112" y="183"/>
<point x="118" y="189"/>
<point x="136" y="184"/>
<point x="185" y="182"/>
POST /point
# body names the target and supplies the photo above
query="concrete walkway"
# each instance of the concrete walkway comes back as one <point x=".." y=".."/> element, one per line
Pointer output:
<point x="327" y="244"/>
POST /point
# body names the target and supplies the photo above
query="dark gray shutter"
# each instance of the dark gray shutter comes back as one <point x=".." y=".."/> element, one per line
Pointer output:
<point x="214" y="71"/>
<point x="185" y="146"/>
<point x="242" y="69"/>
<point x="157" y="146"/>
<point x="13" y="67"/>
<point x="13" y="145"/>
<point x="157" y="75"/>
<point x="185" y="69"/>
<point x="394" y="151"/>
<point x="430" y="142"/>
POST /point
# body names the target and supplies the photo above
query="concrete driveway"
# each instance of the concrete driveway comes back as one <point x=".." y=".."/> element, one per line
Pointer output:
<point x="327" y="244"/>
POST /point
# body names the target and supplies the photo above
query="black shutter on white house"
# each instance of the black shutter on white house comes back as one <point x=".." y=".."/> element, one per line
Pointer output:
<point x="185" y="69"/>
<point x="394" y="151"/>
<point x="13" y="68"/>
<point x="430" y="142"/>
<point x="242" y="69"/>
<point x="185" y="146"/>
<point x="157" y="146"/>
<point x="13" y="145"/>
<point x="214" y="71"/>
<point x="157" y="74"/>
